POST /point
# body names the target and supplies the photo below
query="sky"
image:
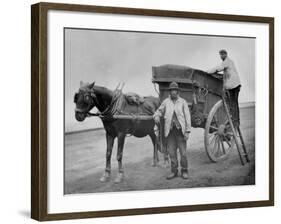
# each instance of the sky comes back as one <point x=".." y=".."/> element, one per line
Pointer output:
<point x="111" y="57"/>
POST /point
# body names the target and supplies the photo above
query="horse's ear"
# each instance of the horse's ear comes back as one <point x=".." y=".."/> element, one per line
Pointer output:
<point x="91" y="85"/>
<point x="81" y="83"/>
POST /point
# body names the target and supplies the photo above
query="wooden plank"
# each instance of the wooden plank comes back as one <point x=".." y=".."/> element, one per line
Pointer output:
<point x="178" y="80"/>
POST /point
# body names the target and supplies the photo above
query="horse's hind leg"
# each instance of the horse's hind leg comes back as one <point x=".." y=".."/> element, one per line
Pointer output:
<point x="109" y="146"/>
<point x="121" y="141"/>
<point x="155" y="151"/>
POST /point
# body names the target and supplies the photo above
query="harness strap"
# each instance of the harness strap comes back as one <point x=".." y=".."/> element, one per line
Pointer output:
<point x="115" y="108"/>
<point x="111" y="109"/>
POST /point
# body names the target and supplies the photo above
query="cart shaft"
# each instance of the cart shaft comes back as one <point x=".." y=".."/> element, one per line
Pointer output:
<point x="133" y="117"/>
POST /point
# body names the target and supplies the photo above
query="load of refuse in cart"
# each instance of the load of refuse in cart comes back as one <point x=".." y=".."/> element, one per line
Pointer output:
<point x="200" y="89"/>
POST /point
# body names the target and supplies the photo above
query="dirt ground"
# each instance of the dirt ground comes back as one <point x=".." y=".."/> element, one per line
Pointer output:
<point x="85" y="163"/>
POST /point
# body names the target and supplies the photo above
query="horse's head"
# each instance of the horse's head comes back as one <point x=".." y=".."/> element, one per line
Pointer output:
<point x="84" y="100"/>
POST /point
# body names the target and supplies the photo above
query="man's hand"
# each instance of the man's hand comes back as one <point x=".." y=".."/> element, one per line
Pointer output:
<point x="186" y="136"/>
<point x="156" y="131"/>
<point x="157" y="119"/>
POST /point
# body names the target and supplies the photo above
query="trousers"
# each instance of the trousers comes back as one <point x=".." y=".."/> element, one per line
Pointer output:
<point x="175" y="140"/>
<point x="233" y="104"/>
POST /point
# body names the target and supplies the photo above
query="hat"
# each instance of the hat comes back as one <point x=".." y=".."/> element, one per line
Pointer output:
<point x="173" y="85"/>
<point x="222" y="51"/>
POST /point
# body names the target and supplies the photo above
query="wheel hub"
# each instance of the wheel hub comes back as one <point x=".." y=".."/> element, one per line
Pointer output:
<point x="221" y="130"/>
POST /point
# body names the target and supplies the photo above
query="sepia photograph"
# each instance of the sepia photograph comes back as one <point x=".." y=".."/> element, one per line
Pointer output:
<point x="153" y="111"/>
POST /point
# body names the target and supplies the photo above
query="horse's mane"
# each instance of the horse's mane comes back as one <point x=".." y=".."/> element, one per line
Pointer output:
<point x="102" y="89"/>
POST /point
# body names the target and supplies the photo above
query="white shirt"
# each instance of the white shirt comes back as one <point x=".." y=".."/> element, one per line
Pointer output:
<point x="231" y="77"/>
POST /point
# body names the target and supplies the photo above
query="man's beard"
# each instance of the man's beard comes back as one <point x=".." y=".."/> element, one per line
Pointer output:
<point x="174" y="97"/>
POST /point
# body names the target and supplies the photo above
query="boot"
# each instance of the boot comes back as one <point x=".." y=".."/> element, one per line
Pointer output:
<point x="184" y="175"/>
<point x="172" y="176"/>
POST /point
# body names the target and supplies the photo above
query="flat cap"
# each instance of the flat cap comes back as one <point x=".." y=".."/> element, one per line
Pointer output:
<point x="223" y="51"/>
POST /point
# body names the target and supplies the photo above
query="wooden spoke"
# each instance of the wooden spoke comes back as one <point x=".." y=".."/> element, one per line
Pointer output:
<point x="229" y="133"/>
<point x="214" y="136"/>
<point x="225" y="121"/>
<point x="213" y="127"/>
<point x="223" y="149"/>
<point x="216" y="121"/>
<point x="227" y="141"/>
<point x="216" y="145"/>
<point x="219" y="147"/>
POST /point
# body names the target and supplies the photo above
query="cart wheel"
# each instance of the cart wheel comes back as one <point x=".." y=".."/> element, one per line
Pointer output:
<point x="218" y="134"/>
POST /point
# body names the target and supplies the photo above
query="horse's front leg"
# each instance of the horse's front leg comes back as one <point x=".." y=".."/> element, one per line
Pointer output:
<point x="166" y="159"/>
<point x="121" y="141"/>
<point x="109" y="146"/>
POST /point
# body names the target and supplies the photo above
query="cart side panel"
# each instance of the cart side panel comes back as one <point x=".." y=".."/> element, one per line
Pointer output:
<point x="211" y="100"/>
<point x="168" y="72"/>
<point x="207" y="89"/>
<point x="214" y="85"/>
<point x="188" y="75"/>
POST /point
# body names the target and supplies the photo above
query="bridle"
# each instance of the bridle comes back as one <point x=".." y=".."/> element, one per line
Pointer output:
<point x="89" y="96"/>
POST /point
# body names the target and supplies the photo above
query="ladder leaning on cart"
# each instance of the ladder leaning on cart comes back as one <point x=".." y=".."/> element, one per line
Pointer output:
<point x="222" y="134"/>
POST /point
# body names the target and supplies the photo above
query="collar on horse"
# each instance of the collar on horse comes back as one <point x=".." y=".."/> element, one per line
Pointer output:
<point x="111" y="109"/>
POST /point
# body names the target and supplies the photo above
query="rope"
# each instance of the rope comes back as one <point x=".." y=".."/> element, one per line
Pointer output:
<point x="156" y="90"/>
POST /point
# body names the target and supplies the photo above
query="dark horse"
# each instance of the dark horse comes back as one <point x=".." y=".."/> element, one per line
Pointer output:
<point x="109" y="102"/>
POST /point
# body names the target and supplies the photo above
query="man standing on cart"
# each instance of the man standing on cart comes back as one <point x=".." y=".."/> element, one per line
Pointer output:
<point x="177" y="126"/>
<point x="231" y="82"/>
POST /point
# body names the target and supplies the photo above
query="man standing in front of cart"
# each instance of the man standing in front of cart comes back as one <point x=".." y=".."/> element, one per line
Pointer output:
<point x="231" y="82"/>
<point x="177" y="126"/>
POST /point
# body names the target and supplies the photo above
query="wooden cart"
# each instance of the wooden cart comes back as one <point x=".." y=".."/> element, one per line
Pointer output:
<point x="208" y="106"/>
